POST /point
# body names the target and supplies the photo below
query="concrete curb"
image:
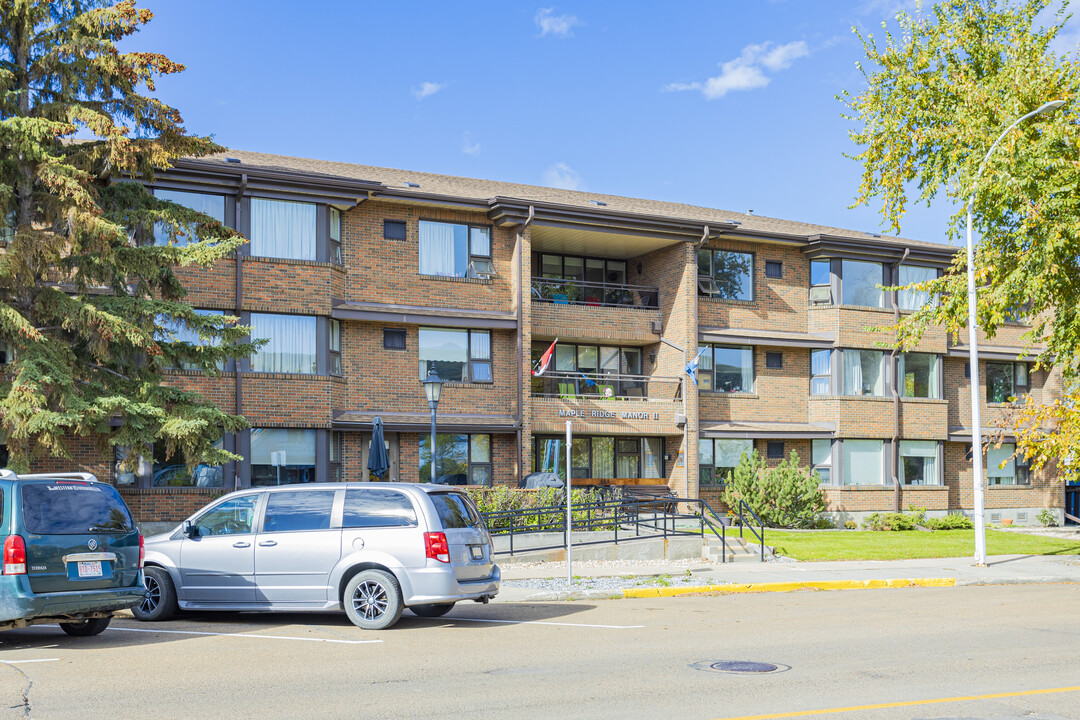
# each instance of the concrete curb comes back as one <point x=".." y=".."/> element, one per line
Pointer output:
<point x="790" y="586"/>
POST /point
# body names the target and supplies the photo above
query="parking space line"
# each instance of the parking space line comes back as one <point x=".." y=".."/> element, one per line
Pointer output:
<point x="20" y="662"/>
<point x="246" y="635"/>
<point x="537" y="622"/>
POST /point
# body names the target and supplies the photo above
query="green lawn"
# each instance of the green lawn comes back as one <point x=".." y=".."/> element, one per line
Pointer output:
<point x="868" y="545"/>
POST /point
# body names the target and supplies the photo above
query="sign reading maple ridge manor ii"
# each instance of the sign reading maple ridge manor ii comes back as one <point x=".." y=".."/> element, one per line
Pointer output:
<point x="611" y="414"/>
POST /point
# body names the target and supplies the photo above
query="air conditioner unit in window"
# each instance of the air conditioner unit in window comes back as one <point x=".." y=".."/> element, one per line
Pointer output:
<point x="707" y="286"/>
<point x="481" y="268"/>
<point x="821" y="295"/>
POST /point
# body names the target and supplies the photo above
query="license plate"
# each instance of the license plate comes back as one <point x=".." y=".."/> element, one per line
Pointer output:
<point x="89" y="569"/>
<point x="477" y="552"/>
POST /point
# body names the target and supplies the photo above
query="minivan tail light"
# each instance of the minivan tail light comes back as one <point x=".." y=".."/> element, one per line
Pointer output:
<point x="436" y="546"/>
<point x="14" y="555"/>
<point x="142" y="551"/>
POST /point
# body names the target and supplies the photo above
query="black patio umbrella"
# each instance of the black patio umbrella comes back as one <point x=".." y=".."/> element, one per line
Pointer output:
<point x="378" y="463"/>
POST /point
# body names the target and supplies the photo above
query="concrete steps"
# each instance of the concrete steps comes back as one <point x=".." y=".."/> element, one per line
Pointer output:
<point x="738" y="549"/>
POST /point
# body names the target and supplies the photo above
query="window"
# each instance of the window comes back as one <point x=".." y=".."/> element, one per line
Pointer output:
<point x="459" y="459"/>
<point x="861" y="283"/>
<point x="601" y="457"/>
<point x="774" y="360"/>
<point x="592" y="281"/>
<point x="820" y="272"/>
<point x="863" y="462"/>
<point x="8" y="224"/>
<point x="174" y="471"/>
<point x="393" y="230"/>
<point x="455" y="511"/>
<point x="298" y="511"/>
<point x="821" y="459"/>
<point x="919" y="462"/>
<point x="173" y="331"/>
<point x="291" y="343"/>
<point x="393" y="339"/>
<point x="336" y="447"/>
<point x="232" y="517"/>
<point x="377" y="508"/>
<point x="212" y="205"/>
<point x="774" y="269"/>
<point x="590" y="370"/>
<point x="774" y="450"/>
<point x="7" y="353"/>
<point x="1005" y="380"/>
<point x="726" y="274"/>
<point x="451" y="250"/>
<point x="912" y="299"/>
<point x="335" y="347"/>
<point x="129" y="475"/>
<point x="732" y="369"/>
<point x="863" y="373"/>
<point x="718" y="458"/>
<point x="282" y="456"/>
<point x="456" y="355"/>
<point x="821" y="372"/>
<point x="919" y="375"/>
<point x="71" y="509"/>
<point x="282" y="229"/>
<point x="1004" y="469"/>
<point x="335" y="235"/>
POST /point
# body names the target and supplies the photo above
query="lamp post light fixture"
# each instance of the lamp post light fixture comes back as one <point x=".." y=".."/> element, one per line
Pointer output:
<point x="973" y="346"/>
<point x="433" y="390"/>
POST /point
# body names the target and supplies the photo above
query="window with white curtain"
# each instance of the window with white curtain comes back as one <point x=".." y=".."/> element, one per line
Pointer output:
<point x="732" y="369"/>
<point x="212" y="205"/>
<point x="282" y="456"/>
<point x="335" y="235"/>
<point x="290" y="346"/>
<point x="1004" y="469"/>
<point x="912" y="299"/>
<point x="282" y="229"/>
<point x="821" y="459"/>
<point x="919" y="375"/>
<point x="452" y="250"/>
<point x="863" y="462"/>
<point x="861" y="283"/>
<point x="821" y="372"/>
<point x="863" y="372"/>
<point x="919" y="462"/>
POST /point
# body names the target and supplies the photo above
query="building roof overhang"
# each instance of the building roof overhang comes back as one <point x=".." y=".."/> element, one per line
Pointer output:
<point x="422" y="315"/>
<point x="772" y="338"/>
<point x="361" y="420"/>
<point x="765" y="430"/>
<point x="879" y="250"/>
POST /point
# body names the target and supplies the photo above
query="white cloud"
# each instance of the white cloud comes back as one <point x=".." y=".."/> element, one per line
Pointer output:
<point x="747" y="71"/>
<point x="469" y="146"/>
<point x="561" y="175"/>
<point x="426" y="89"/>
<point x="555" y="25"/>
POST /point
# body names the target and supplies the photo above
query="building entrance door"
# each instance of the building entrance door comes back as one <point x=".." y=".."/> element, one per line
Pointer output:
<point x="393" y="452"/>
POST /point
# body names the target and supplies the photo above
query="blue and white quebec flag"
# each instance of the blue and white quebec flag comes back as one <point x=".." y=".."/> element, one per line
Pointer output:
<point x="691" y="368"/>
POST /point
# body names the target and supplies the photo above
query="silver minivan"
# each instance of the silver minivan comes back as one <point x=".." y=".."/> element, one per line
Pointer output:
<point x="371" y="549"/>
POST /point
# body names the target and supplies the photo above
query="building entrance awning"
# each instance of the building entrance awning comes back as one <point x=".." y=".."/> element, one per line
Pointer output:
<point x="763" y="430"/>
<point x="361" y="420"/>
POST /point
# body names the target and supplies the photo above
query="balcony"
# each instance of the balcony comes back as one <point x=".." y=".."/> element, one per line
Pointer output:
<point x="600" y="386"/>
<point x="594" y="294"/>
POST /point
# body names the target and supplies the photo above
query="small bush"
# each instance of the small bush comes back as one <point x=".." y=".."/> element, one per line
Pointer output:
<point x="851" y="524"/>
<point x="1047" y="518"/>
<point x="890" y="521"/>
<point x="787" y="496"/>
<point x="952" y="521"/>
<point x="503" y="498"/>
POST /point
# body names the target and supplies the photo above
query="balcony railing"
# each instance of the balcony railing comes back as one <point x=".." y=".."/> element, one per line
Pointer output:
<point x="600" y="386"/>
<point x="581" y="292"/>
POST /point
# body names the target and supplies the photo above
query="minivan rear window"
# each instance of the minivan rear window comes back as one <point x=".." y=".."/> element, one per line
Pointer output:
<point x="73" y="508"/>
<point x="377" y="508"/>
<point x="455" y="510"/>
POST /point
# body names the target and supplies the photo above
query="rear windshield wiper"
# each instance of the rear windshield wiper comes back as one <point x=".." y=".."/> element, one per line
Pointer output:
<point x="102" y="528"/>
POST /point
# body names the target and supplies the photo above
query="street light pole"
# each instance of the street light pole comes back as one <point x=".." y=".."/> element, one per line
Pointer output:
<point x="973" y="346"/>
<point x="433" y="390"/>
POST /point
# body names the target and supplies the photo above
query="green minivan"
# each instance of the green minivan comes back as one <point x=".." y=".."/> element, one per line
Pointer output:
<point x="72" y="553"/>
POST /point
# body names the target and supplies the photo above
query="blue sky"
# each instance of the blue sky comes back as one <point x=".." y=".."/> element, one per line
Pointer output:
<point x="723" y="104"/>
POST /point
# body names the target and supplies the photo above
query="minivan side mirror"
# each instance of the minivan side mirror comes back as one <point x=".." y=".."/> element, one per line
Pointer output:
<point x="191" y="529"/>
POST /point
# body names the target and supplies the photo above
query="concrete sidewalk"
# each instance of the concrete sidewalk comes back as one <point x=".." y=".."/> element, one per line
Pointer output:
<point x="547" y="581"/>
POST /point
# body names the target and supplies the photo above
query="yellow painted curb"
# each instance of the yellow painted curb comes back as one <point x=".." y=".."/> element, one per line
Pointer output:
<point x="789" y="586"/>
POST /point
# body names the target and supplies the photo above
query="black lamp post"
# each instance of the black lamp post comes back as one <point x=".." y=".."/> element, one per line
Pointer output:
<point x="433" y="389"/>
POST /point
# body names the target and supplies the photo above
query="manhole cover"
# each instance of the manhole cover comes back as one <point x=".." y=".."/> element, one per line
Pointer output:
<point x="740" y="666"/>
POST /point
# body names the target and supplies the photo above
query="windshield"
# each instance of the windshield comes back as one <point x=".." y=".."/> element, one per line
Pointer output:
<point x="455" y="510"/>
<point x="73" y="508"/>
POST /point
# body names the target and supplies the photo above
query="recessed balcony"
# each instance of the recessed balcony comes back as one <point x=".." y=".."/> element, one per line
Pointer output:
<point x="594" y="294"/>
<point x="601" y="386"/>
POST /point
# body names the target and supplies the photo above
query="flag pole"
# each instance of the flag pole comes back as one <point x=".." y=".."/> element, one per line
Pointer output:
<point x="569" y="516"/>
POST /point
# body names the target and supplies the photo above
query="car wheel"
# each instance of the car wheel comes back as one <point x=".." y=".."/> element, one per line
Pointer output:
<point x="372" y="599"/>
<point x="93" y="626"/>
<point x="432" y="611"/>
<point x="159" y="602"/>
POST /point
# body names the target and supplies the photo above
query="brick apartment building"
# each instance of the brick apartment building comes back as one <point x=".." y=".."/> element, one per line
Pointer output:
<point x="364" y="279"/>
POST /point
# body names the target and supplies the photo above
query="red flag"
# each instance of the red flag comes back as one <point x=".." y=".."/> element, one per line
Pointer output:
<point x="545" y="359"/>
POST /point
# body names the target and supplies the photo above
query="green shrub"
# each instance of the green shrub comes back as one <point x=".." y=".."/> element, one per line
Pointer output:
<point x="889" y="521"/>
<point x="851" y="524"/>
<point x="1047" y="518"/>
<point x="787" y="496"/>
<point x="503" y="498"/>
<point x="952" y="521"/>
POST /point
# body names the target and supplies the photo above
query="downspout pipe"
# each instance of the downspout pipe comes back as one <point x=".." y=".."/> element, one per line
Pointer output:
<point x="895" y="360"/>
<point x="239" y="305"/>
<point x="520" y="334"/>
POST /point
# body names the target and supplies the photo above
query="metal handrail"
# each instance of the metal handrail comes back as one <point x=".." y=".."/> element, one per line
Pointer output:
<point x="595" y="385"/>
<point x="583" y="292"/>
<point x="761" y="526"/>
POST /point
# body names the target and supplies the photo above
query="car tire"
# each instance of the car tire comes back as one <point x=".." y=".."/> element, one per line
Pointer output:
<point x="159" y="603"/>
<point x="432" y="611"/>
<point x="86" y="628"/>
<point x="372" y="600"/>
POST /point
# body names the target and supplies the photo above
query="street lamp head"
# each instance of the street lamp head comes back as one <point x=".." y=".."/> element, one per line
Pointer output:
<point x="432" y="387"/>
<point x="1048" y="107"/>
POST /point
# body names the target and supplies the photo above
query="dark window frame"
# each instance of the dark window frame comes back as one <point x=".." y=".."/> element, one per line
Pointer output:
<point x="639" y="439"/>
<point x="334" y="366"/>
<point x="470" y="376"/>
<point x="334" y="247"/>
<point x="469" y="463"/>
<point x="707" y="282"/>
<point x="1016" y="388"/>
<point x="774" y="269"/>
<point x="774" y="360"/>
<point x="712" y="369"/>
<point x="774" y="450"/>
<point x="394" y="224"/>
<point x="716" y="482"/>
<point x="470" y="271"/>
<point x="396" y="332"/>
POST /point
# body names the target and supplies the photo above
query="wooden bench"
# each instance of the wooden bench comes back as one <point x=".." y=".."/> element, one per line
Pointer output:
<point x="638" y="493"/>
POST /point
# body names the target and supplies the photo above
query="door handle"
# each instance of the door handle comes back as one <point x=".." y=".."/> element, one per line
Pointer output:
<point x="241" y="544"/>
<point x="268" y="543"/>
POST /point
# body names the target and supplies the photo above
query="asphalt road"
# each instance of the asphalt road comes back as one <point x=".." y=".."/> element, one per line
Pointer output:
<point x="602" y="659"/>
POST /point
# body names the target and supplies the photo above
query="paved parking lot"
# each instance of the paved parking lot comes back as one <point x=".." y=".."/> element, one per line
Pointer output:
<point x="618" y="658"/>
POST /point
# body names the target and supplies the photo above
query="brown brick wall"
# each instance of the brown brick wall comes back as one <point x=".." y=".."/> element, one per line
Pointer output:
<point x="779" y="303"/>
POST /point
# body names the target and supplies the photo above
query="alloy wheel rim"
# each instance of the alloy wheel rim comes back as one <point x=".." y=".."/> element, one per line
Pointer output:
<point x="152" y="596"/>
<point x="370" y="600"/>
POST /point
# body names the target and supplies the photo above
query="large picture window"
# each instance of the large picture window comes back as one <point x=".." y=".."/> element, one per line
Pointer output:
<point x="600" y="457"/>
<point x="1004" y="469"/>
<point x="460" y="459"/>
<point x="590" y="370"/>
<point x="863" y="462"/>
<point x="726" y="369"/>
<point x="718" y="458"/>
<point x="212" y="205"/>
<point x="726" y="274"/>
<point x="282" y="456"/>
<point x="912" y="299"/>
<point x="592" y="281"/>
<point x="290" y="346"/>
<point x="863" y="372"/>
<point x="861" y="283"/>
<point x="1006" y="380"/>
<point x="453" y="250"/>
<point x="919" y="375"/>
<point x="456" y="355"/>
<point x="283" y="229"/>
<point x="919" y="462"/>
